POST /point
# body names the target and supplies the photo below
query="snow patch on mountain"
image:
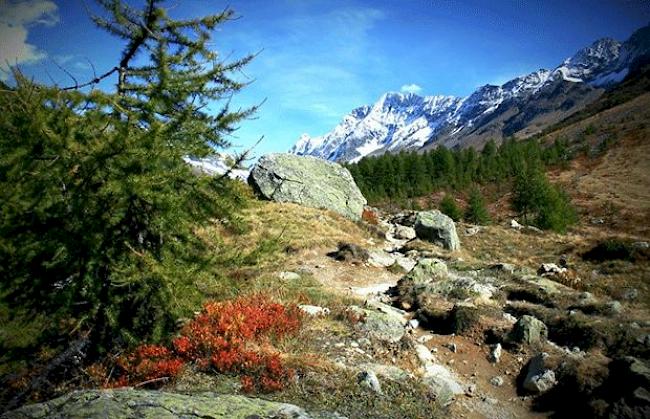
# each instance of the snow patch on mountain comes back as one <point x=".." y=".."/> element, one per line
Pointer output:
<point x="399" y="121"/>
<point x="216" y="165"/>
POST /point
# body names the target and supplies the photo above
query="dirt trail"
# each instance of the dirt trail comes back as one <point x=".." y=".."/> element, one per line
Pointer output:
<point x="470" y="360"/>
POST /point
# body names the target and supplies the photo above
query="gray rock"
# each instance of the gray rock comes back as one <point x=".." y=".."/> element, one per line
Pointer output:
<point x="380" y="259"/>
<point x="386" y="326"/>
<point x="289" y="276"/>
<point x="131" y="403"/>
<point x="389" y="372"/>
<point x="437" y="228"/>
<point x="404" y="232"/>
<point x="414" y="323"/>
<point x="614" y="307"/>
<point x="425" y="271"/>
<point x="472" y="231"/>
<point x="307" y="181"/>
<point x="539" y="379"/>
<point x="442" y="383"/>
<point x="529" y="330"/>
<point x="497" y="381"/>
<point x="495" y="355"/>
<point x="314" y="310"/>
<point x="472" y="390"/>
<point x="514" y="224"/>
<point x="369" y="379"/>
<point x="550" y="269"/>
<point x="630" y="294"/>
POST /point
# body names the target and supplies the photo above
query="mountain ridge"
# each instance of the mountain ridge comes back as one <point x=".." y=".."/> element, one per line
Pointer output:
<point x="521" y="107"/>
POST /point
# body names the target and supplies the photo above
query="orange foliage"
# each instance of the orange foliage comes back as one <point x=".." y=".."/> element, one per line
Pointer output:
<point x="225" y="337"/>
<point x="370" y="216"/>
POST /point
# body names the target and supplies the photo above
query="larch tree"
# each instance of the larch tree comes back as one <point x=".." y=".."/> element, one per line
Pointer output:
<point x="100" y="210"/>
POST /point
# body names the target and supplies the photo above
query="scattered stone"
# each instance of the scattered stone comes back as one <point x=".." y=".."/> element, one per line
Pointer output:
<point x="497" y="381"/>
<point x="550" y="269"/>
<point x="452" y="347"/>
<point x="509" y="318"/>
<point x="641" y="245"/>
<point x="289" y="276"/>
<point x="630" y="294"/>
<point x="514" y="224"/>
<point x="539" y="379"/>
<point x="390" y="372"/>
<point x="314" y="310"/>
<point x="307" y="181"/>
<point x="472" y="390"/>
<point x="423" y="354"/>
<point x="425" y="338"/>
<point x="383" y="325"/>
<point x="495" y="355"/>
<point x="380" y="259"/>
<point x="529" y="330"/>
<point x="369" y="379"/>
<point x="614" y="307"/>
<point x="413" y="323"/>
<point x="437" y="228"/>
<point x="404" y="232"/>
<point x="442" y="383"/>
<point x="425" y="271"/>
<point x="472" y="231"/>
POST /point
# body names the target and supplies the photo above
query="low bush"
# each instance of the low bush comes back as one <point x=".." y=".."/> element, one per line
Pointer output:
<point x="230" y="337"/>
<point x="610" y="250"/>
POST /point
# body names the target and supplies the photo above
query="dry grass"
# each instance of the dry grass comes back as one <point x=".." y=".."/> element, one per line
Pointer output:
<point x="614" y="185"/>
<point x="300" y="227"/>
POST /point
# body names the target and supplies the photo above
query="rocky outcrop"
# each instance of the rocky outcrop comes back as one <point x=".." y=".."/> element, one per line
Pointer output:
<point x="307" y="181"/>
<point x="131" y="403"/>
<point x="437" y="228"/>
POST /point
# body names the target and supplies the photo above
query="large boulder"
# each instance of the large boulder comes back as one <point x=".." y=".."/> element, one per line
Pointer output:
<point x="437" y="228"/>
<point x="131" y="403"/>
<point x="307" y="181"/>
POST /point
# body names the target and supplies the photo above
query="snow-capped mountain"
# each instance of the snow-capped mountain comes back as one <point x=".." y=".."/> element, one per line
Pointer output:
<point x="410" y="122"/>
<point x="217" y="165"/>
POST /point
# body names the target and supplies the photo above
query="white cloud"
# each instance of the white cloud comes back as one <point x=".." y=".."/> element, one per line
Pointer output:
<point x="411" y="88"/>
<point x="16" y="17"/>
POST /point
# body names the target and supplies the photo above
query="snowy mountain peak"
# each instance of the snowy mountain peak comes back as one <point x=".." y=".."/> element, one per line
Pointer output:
<point x="407" y="121"/>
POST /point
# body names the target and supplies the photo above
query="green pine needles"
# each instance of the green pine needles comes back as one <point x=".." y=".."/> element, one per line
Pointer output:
<point x="99" y="213"/>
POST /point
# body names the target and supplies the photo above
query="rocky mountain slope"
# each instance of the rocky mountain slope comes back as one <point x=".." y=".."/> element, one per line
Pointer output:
<point x="521" y="107"/>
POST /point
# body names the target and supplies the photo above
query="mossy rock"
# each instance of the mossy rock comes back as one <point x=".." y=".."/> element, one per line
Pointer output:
<point x="131" y="403"/>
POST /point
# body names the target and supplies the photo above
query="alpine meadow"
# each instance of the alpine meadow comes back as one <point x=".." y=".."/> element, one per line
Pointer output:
<point x="466" y="234"/>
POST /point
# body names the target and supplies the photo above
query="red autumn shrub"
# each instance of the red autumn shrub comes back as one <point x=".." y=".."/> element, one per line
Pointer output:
<point x="370" y="216"/>
<point x="146" y="363"/>
<point x="227" y="337"/>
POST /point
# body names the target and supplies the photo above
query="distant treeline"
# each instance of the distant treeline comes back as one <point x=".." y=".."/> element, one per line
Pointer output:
<point x="411" y="174"/>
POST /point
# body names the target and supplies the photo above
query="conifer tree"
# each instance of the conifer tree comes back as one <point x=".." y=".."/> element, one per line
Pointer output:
<point x="449" y="208"/>
<point x="476" y="211"/>
<point x="540" y="203"/>
<point x="100" y="210"/>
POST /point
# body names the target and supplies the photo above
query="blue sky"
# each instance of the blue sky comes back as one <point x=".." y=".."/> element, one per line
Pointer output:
<point x="319" y="59"/>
